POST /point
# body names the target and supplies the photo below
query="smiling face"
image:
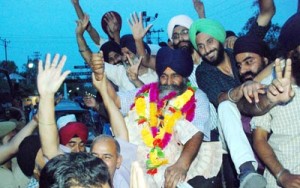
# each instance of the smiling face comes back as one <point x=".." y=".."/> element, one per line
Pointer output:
<point x="249" y="65"/>
<point x="210" y="49"/>
<point x="181" y="39"/>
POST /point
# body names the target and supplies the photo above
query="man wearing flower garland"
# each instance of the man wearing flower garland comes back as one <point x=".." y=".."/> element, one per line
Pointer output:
<point x="168" y="121"/>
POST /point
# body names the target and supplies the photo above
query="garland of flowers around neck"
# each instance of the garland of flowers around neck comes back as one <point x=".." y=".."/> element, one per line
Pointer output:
<point x="157" y="125"/>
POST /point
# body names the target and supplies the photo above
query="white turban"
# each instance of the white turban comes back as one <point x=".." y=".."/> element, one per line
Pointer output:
<point x="181" y="20"/>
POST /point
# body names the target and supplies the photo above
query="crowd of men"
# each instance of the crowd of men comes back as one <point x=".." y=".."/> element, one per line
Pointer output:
<point x="208" y="109"/>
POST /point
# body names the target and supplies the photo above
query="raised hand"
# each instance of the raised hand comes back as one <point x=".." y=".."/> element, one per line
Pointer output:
<point x="199" y="7"/>
<point x="113" y="25"/>
<point x="97" y="65"/>
<point x="229" y="42"/>
<point x="136" y="26"/>
<point x="82" y="24"/>
<point x="75" y="1"/>
<point x="280" y="90"/>
<point x="50" y="76"/>
<point x="132" y="71"/>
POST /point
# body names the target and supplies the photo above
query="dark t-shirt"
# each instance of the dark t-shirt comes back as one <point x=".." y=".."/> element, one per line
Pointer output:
<point x="213" y="82"/>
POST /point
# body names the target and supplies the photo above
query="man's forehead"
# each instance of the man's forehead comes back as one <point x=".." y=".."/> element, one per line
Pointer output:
<point x="178" y="28"/>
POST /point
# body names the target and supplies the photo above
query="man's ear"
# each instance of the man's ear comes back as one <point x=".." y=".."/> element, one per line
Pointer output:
<point x="119" y="161"/>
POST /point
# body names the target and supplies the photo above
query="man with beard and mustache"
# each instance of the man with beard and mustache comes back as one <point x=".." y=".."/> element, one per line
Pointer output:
<point x="120" y="75"/>
<point x="170" y="95"/>
<point x="276" y="133"/>
<point x="218" y="76"/>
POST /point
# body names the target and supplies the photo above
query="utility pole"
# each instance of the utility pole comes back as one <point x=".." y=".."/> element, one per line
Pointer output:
<point x="5" y="42"/>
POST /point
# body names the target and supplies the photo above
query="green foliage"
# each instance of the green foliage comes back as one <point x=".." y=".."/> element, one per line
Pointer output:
<point x="272" y="36"/>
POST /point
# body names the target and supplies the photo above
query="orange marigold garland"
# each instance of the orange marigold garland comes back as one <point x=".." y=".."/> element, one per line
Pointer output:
<point x="158" y="125"/>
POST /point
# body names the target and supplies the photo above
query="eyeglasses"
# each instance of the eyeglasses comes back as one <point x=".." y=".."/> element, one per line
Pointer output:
<point x="183" y="33"/>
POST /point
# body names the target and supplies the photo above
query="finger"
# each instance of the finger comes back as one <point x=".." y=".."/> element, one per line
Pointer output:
<point x="55" y="61"/>
<point x="277" y="84"/>
<point x="246" y="95"/>
<point x="40" y="67"/>
<point x="288" y="69"/>
<point x="62" y="62"/>
<point x="47" y="61"/>
<point x="272" y="90"/>
<point x="148" y="27"/>
<point x="255" y="95"/>
<point x="64" y="76"/>
<point x="130" y="23"/>
<point x="129" y="60"/>
<point x="278" y="69"/>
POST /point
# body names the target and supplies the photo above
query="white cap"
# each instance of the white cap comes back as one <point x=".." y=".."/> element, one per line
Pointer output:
<point x="63" y="120"/>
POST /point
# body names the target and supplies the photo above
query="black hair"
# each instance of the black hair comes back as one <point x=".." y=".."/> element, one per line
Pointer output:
<point x="74" y="169"/>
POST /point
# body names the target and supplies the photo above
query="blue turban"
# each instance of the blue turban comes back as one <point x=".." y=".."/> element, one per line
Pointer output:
<point x="179" y="60"/>
<point x="128" y="42"/>
<point x="289" y="37"/>
<point x="207" y="26"/>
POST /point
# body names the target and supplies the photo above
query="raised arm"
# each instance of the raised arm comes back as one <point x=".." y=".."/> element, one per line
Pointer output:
<point x="113" y="26"/>
<point x="266" y="12"/>
<point x="50" y="78"/>
<point x="138" y="32"/>
<point x="84" y="49"/>
<point x="91" y="30"/>
<point x="115" y="117"/>
<point x="97" y="65"/>
<point x="11" y="148"/>
<point x="199" y="7"/>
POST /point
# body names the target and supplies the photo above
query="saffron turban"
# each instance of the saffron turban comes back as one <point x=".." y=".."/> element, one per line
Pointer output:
<point x="207" y="26"/>
<point x="110" y="46"/>
<point x="179" y="60"/>
<point x="251" y="44"/>
<point x="71" y="130"/>
<point x="180" y="20"/>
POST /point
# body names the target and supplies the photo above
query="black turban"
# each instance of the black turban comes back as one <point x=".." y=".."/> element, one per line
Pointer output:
<point x="289" y="37"/>
<point x="109" y="47"/>
<point x="26" y="155"/>
<point x="128" y="41"/>
<point x="251" y="44"/>
<point x="179" y="60"/>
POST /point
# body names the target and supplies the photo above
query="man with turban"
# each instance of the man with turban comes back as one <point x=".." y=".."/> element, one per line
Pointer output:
<point x="111" y="23"/>
<point x="122" y="75"/>
<point x="112" y="53"/>
<point x="218" y="76"/>
<point x="276" y="133"/>
<point x="72" y="134"/>
<point x="179" y="117"/>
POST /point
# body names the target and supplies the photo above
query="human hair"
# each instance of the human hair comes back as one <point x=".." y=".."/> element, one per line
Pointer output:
<point x="74" y="169"/>
<point x="103" y="137"/>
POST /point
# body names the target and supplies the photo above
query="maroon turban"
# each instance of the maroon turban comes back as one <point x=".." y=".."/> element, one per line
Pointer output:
<point x="73" y="129"/>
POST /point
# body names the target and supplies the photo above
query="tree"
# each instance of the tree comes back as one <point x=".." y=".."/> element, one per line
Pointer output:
<point x="272" y="36"/>
<point x="10" y="66"/>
